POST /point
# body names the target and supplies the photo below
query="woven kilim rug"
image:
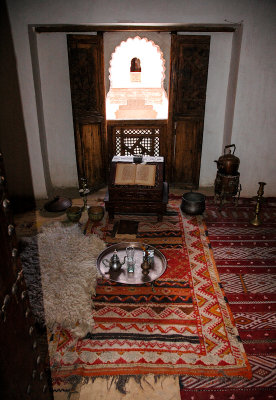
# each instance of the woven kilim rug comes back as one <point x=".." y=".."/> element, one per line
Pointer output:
<point x="184" y="326"/>
<point x="246" y="260"/>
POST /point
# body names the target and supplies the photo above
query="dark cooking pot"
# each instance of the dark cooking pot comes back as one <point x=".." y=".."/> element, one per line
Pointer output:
<point x="228" y="163"/>
<point x="193" y="203"/>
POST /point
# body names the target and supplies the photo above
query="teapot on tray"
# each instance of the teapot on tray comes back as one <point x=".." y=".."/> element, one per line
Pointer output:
<point x="114" y="263"/>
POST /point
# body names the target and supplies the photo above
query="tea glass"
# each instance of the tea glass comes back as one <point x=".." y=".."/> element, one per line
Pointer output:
<point x="130" y="258"/>
<point x="151" y="257"/>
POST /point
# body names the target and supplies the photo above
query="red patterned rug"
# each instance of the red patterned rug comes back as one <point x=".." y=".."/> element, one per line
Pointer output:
<point x="246" y="261"/>
<point x="184" y="326"/>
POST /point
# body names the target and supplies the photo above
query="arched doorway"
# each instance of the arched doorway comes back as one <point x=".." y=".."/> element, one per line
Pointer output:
<point x="178" y="138"/>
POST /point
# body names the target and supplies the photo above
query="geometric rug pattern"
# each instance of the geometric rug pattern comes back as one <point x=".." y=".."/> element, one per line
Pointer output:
<point x="183" y="325"/>
<point x="246" y="261"/>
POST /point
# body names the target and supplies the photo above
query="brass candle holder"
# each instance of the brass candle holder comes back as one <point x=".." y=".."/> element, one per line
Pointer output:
<point x="84" y="191"/>
<point x="256" y="221"/>
<point x="145" y="267"/>
<point x="145" y="264"/>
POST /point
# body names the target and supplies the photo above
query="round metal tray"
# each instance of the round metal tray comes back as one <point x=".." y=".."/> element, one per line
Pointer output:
<point x="136" y="277"/>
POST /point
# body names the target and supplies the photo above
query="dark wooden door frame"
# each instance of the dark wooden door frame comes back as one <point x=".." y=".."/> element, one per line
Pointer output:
<point x="171" y="28"/>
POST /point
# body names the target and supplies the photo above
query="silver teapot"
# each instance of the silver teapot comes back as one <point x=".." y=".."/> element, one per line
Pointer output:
<point x="114" y="263"/>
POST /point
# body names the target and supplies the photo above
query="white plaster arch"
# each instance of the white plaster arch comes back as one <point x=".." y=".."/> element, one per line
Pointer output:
<point x="148" y="88"/>
<point x="152" y="63"/>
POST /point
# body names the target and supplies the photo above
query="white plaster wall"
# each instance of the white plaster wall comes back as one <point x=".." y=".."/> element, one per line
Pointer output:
<point x="254" y="118"/>
<point x="254" y="128"/>
<point x="57" y="109"/>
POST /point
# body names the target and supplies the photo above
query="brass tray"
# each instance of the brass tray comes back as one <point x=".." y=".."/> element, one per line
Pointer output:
<point x="136" y="277"/>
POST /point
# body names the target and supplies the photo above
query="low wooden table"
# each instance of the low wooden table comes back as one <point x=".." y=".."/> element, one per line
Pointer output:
<point x="135" y="205"/>
<point x="136" y="277"/>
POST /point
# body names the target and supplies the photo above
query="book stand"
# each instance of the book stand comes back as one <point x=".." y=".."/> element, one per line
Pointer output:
<point x="137" y="199"/>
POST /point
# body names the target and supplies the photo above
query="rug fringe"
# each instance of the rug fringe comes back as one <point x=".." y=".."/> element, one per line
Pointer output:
<point x="119" y="381"/>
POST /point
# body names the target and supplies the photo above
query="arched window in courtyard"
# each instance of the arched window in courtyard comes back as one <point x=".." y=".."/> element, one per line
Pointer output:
<point x="136" y="73"/>
<point x="135" y="65"/>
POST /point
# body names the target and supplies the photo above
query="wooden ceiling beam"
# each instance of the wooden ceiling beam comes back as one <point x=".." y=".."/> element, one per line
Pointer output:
<point x="141" y="28"/>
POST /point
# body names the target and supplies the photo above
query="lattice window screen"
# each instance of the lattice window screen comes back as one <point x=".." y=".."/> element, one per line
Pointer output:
<point x="131" y="141"/>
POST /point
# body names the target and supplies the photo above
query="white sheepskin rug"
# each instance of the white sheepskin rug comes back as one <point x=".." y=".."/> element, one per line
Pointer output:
<point x="65" y="260"/>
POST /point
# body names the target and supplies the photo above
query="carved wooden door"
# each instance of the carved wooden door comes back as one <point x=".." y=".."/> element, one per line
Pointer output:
<point x="24" y="360"/>
<point x="188" y="82"/>
<point x="86" y="66"/>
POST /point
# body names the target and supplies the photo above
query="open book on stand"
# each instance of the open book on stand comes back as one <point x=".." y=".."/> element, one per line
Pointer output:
<point x="135" y="174"/>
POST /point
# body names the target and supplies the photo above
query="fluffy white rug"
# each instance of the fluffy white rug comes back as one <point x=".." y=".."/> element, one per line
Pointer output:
<point x="66" y="261"/>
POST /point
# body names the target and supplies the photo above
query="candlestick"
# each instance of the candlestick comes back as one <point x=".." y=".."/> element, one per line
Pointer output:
<point x="84" y="191"/>
<point x="256" y="221"/>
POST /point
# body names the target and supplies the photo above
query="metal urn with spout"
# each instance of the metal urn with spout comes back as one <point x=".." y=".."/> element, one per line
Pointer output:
<point x="114" y="263"/>
<point x="228" y="163"/>
<point x="227" y="183"/>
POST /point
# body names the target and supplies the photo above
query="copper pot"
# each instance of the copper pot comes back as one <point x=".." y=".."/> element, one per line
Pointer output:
<point x="228" y="163"/>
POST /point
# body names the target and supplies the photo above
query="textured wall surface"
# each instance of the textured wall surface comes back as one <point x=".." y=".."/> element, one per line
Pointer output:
<point x="254" y="120"/>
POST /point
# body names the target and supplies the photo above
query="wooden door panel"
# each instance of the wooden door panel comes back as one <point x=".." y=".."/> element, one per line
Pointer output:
<point x="192" y="79"/>
<point x="85" y="65"/>
<point x="186" y="152"/>
<point x="189" y="71"/>
<point x="86" y="68"/>
<point x="91" y="137"/>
